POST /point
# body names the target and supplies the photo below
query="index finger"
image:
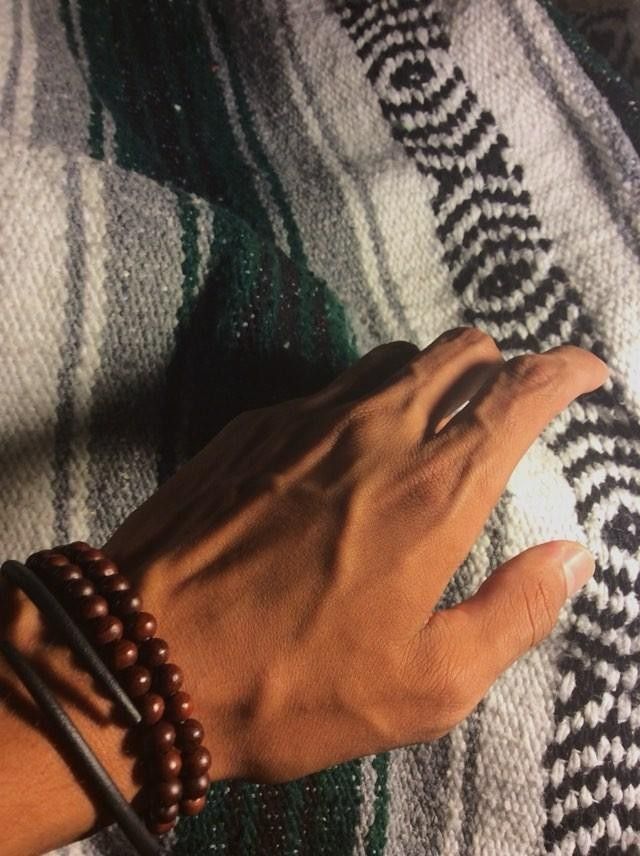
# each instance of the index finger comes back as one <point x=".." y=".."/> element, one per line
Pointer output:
<point x="476" y="452"/>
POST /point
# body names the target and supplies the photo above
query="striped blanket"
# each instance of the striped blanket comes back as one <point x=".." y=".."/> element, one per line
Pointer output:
<point x="212" y="205"/>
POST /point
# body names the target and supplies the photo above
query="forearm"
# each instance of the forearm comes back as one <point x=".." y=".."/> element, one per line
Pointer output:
<point x="45" y="802"/>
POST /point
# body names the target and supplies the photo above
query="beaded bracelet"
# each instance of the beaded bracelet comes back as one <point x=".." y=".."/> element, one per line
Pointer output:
<point x="101" y="599"/>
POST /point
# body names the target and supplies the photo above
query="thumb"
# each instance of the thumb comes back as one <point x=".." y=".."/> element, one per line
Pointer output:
<point x="517" y="606"/>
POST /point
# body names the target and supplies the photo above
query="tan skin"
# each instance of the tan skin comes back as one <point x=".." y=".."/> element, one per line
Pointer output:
<point x="294" y="566"/>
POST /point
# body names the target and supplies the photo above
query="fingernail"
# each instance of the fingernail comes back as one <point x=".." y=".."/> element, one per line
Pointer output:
<point x="578" y="567"/>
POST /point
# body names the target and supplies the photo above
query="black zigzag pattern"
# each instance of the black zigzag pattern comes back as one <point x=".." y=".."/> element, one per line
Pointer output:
<point x="502" y="269"/>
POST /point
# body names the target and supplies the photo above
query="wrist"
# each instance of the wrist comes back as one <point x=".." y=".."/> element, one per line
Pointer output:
<point x="215" y="704"/>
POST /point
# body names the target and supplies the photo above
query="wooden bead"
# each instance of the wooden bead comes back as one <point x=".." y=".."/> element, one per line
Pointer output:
<point x="37" y="561"/>
<point x="79" y="546"/>
<point x="92" y="555"/>
<point x="165" y="813"/>
<point x="195" y="786"/>
<point x="91" y="607"/>
<point x="169" y="764"/>
<point x="77" y="550"/>
<point x="113" y="584"/>
<point x="167" y="792"/>
<point x="136" y="680"/>
<point x="98" y="568"/>
<point x="57" y="560"/>
<point x="66" y="550"/>
<point x="75" y="589"/>
<point x="121" y="654"/>
<point x="107" y="629"/>
<point x="178" y="707"/>
<point x="66" y="573"/>
<point x="189" y="734"/>
<point x="125" y="603"/>
<point x="168" y="679"/>
<point x="154" y="652"/>
<point x="160" y="828"/>
<point x="191" y="807"/>
<point x="151" y="707"/>
<point x="162" y="736"/>
<point x="196" y="762"/>
<point x="140" y="626"/>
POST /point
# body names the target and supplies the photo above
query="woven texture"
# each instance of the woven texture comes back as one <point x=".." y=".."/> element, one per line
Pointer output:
<point x="209" y="206"/>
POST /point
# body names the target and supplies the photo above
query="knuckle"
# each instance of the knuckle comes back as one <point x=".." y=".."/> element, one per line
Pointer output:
<point x="532" y="371"/>
<point x="472" y="337"/>
<point x="476" y="338"/>
<point x="541" y="617"/>
<point x="402" y="347"/>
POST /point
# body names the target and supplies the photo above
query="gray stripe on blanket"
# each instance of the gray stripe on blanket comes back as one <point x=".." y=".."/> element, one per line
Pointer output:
<point x="8" y="102"/>
<point x="418" y="799"/>
<point x="69" y="352"/>
<point x="496" y="555"/>
<point x="143" y="280"/>
<point x="61" y="101"/>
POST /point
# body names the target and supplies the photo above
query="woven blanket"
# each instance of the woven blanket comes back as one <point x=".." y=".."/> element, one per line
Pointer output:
<point x="208" y="206"/>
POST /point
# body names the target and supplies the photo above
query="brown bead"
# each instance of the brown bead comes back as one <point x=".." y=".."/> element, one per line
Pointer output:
<point x="92" y="555"/>
<point x="178" y="707"/>
<point x="65" y="573"/>
<point x="77" y="550"/>
<point x="140" y="626"/>
<point x="57" y="560"/>
<point x="167" y="792"/>
<point x="91" y="607"/>
<point x="113" y="584"/>
<point x="106" y="629"/>
<point x="136" y="680"/>
<point x="84" y="557"/>
<point x="79" y="546"/>
<point x="160" y="828"/>
<point x="169" y="764"/>
<point x="189" y="734"/>
<point x="168" y="679"/>
<point x="151" y="707"/>
<point x="165" y="813"/>
<point x="99" y="568"/>
<point x="196" y="762"/>
<point x="60" y="548"/>
<point x="195" y="786"/>
<point x="125" y="603"/>
<point x="75" y="589"/>
<point x="121" y="654"/>
<point x="154" y="652"/>
<point x="37" y="561"/>
<point x="191" y="807"/>
<point x="162" y="736"/>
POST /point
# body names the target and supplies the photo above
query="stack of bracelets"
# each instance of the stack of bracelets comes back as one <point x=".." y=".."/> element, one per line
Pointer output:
<point x="90" y="589"/>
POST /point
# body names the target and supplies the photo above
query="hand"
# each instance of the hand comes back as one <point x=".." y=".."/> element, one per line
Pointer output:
<point x="294" y="564"/>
